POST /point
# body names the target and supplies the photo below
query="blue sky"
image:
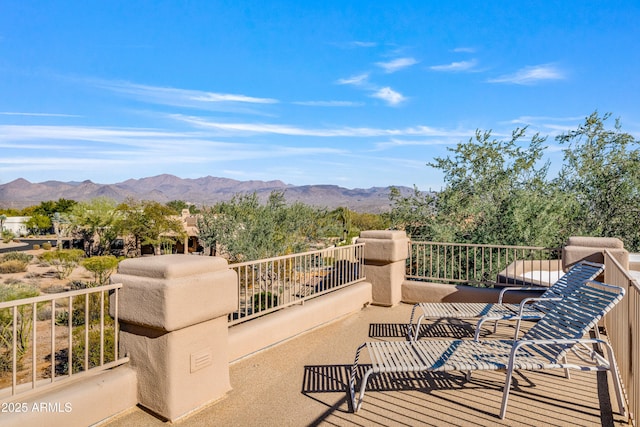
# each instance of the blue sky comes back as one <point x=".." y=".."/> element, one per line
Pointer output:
<point x="352" y="93"/>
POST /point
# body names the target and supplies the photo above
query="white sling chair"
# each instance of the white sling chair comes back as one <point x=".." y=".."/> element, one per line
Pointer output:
<point x="527" y="309"/>
<point x="544" y="346"/>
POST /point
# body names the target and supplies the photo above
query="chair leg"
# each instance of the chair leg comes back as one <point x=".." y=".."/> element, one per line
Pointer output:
<point x="410" y="326"/>
<point x="505" y="393"/>
<point x="613" y="369"/>
<point x="567" y="372"/>
<point x="363" y="387"/>
<point x="357" y="402"/>
<point x="507" y="381"/>
<point x="411" y="334"/>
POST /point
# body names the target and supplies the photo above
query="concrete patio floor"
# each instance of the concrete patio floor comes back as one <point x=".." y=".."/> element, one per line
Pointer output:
<point x="302" y="382"/>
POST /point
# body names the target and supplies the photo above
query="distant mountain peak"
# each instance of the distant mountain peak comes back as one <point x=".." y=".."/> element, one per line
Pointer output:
<point x="205" y="191"/>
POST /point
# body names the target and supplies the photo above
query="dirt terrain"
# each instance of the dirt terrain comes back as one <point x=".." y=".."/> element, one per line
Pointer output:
<point x="42" y="275"/>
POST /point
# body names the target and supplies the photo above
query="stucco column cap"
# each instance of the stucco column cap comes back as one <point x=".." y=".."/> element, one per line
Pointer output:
<point x="171" y="266"/>
<point x="383" y="234"/>
<point x="171" y="292"/>
<point x="384" y="246"/>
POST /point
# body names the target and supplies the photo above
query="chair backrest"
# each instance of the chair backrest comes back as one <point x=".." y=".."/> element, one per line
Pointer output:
<point x="576" y="276"/>
<point x="573" y="316"/>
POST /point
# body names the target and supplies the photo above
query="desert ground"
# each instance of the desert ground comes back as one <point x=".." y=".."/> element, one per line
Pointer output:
<point x="40" y="274"/>
<point x="44" y="277"/>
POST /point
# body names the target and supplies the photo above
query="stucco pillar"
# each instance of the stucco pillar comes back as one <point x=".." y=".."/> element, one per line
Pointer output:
<point x="385" y="255"/>
<point x="173" y="317"/>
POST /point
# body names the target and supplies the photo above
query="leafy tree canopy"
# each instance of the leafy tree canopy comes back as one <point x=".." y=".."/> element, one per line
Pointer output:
<point x="150" y="223"/>
<point x="98" y="222"/>
<point x="601" y="172"/>
<point x="498" y="190"/>
<point x="245" y="229"/>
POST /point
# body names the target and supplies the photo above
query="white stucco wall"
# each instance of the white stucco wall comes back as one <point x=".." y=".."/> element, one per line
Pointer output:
<point x="16" y="225"/>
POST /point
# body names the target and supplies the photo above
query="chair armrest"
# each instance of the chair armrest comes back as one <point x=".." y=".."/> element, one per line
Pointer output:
<point x="520" y="288"/>
<point x="531" y="300"/>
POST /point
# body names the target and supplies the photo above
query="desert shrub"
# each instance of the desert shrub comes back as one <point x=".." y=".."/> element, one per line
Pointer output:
<point x="79" y="310"/>
<point x="24" y="323"/>
<point x="101" y="267"/>
<point x="13" y="266"/>
<point x="64" y="260"/>
<point x="62" y="318"/>
<point x="36" y="246"/>
<point x="18" y="290"/>
<point x="78" y="350"/>
<point x="76" y="285"/>
<point x="263" y="301"/>
<point x="7" y="236"/>
<point x="20" y="256"/>
<point x="46" y="246"/>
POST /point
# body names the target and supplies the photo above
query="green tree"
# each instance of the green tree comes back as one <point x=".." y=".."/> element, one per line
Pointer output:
<point x="602" y="173"/>
<point x="98" y="222"/>
<point x="412" y="213"/>
<point x="178" y="205"/>
<point x="150" y="223"/>
<point x="496" y="192"/>
<point x="361" y="221"/>
<point x="101" y="267"/>
<point x="245" y="229"/>
<point x="10" y="212"/>
<point x="38" y="224"/>
<point x="52" y="208"/>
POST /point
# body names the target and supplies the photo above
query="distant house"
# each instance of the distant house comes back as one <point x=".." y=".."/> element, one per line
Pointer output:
<point x="16" y="224"/>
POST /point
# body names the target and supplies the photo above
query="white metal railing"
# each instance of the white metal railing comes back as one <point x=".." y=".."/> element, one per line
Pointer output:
<point x="53" y="338"/>
<point x="623" y="330"/>
<point x="482" y="265"/>
<point x="270" y="284"/>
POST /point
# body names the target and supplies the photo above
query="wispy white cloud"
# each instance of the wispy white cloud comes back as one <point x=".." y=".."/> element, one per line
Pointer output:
<point x="389" y="95"/>
<point x="82" y="133"/>
<point x="531" y="75"/>
<point x="361" y="44"/>
<point x="356" y="80"/>
<point x="456" y="66"/>
<point x="464" y="50"/>
<point x="241" y="129"/>
<point x="329" y="103"/>
<point x="396" y="64"/>
<point x="88" y="150"/>
<point x="188" y="98"/>
<point x="547" y="125"/>
<point x="448" y="138"/>
<point x="158" y="92"/>
<point x="538" y="119"/>
<point x="228" y="97"/>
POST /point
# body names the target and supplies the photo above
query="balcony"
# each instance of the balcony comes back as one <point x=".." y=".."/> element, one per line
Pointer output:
<point x="303" y="382"/>
<point x="287" y="364"/>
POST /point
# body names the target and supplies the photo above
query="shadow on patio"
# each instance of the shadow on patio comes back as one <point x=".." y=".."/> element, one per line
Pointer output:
<point x="303" y="382"/>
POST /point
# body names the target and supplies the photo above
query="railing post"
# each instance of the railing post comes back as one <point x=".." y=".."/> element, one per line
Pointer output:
<point x="173" y="320"/>
<point x="385" y="256"/>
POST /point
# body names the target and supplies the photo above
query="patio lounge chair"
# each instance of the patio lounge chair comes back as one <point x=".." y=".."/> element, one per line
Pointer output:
<point x="527" y="309"/>
<point x="544" y="346"/>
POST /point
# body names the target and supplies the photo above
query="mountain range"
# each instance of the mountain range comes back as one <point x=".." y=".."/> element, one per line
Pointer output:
<point x="204" y="191"/>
